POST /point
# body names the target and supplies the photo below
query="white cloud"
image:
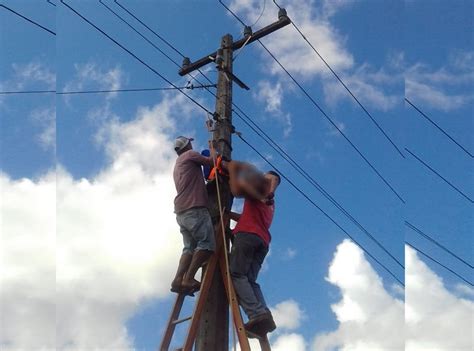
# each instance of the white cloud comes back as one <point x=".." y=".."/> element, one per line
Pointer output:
<point x="289" y="342"/>
<point x="117" y="242"/>
<point x="271" y="94"/>
<point x="288" y="315"/>
<point x="367" y="313"/>
<point x="288" y="46"/>
<point x="380" y="89"/>
<point x="27" y="264"/>
<point x="46" y="119"/>
<point x="91" y="76"/>
<point x="290" y="253"/>
<point x="464" y="290"/>
<point x="373" y="87"/>
<point x="444" y="88"/>
<point x="25" y="74"/>
<point x="436" y="319"/>
<point x="434" y="97"/>
<point x="331" y="7"/>
<point x="33" y="75"/>
<point x="334" y="132"/>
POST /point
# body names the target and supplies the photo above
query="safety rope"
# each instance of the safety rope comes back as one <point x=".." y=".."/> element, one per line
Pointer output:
<point x="221" y="214"/>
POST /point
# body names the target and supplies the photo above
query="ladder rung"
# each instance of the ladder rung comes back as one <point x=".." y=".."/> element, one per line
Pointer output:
<point x="182" y="320"/>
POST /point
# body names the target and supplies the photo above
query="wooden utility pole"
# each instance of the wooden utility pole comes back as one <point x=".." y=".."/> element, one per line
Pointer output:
<point x="213" y="333"/>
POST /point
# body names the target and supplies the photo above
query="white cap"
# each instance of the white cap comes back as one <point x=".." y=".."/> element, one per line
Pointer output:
<point x="181" y="142"/>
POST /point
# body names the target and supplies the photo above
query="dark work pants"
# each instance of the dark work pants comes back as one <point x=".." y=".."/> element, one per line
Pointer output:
<point x="246" y="259"/>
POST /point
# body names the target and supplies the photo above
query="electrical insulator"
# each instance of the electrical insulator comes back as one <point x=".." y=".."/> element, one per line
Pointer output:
<point x="186" y="62"/>
<point x="282" y="13"/>
<point x="247" y="31"/>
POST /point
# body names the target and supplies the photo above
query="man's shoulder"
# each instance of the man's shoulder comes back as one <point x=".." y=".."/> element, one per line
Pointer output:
<point x="187" y="155"/>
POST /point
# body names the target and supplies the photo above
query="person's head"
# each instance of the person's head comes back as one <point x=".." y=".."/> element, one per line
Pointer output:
<point x="273" y="181"/>
<point x="182" y="144"/>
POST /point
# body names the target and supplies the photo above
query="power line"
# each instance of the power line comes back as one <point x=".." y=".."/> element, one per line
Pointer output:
<point x="419" y="231"/>
<point x="439" y="175"/>
<point x="51" y="3"/>
<point x="261" y="13"/>
<point x="314" y="183"/>
<point x="439" y="128"/>
<point x="320" y="109"/>
<point x="140" y="34"/>
<point x="249" y="122"/>
<point x="135" y="57"/>
<point x="28" y="19"/>
<point x="345" y="87"/>
<point x="28" y="92"/>
<point x="149" y="41"/>
<point x="189" y="87"/>
<point x="151" y="30"/>
<point x="183" y="56"/>
<point x="333" y="123"/>
<point x="319" y="208"/>
<point x="439" y="263"/>
<point x="233" y="14"/>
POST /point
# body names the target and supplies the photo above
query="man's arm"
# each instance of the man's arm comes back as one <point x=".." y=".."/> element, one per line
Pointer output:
<point x="200" y="159"/>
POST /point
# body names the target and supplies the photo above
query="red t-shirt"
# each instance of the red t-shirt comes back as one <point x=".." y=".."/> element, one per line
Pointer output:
<point x="256" y="218"/>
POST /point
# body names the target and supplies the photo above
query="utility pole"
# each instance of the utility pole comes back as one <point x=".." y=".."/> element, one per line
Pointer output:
<point x="213" y="333"/>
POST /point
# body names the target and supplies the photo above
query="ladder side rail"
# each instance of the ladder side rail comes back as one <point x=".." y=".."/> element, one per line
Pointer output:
<point x="169" y="331"/>
<point x="234" y="305"/>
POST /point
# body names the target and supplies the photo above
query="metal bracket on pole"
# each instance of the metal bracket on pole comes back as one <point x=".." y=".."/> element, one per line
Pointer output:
<point x="233" y="77"/>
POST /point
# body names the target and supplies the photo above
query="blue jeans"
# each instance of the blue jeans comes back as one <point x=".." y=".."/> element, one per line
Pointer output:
<point x="196" y="227"/>
<point x="246" y="259"/>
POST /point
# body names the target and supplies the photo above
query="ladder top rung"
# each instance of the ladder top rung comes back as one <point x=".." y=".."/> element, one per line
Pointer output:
<point x="177" y="321"/>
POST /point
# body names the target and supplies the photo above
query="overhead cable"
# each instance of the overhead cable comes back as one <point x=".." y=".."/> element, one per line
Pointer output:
<point x="28" y="19"/>
<point x="334" y="124"/>
<point x="346" y="87"/>
<point x="426" y="236"/>
<point x="439" y="175"/>
<point x="320" y="109"/>
<point x="187" y="87"/>
<point x="135" y="57"/>
<point x="319" y="208"/>
<point x="262" y="134"/>
<point x="439" y="128"/>
<point x="439" y="263"/>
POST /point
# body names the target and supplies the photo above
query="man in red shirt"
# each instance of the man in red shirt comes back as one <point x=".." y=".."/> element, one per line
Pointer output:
<point x="250" y="246"/>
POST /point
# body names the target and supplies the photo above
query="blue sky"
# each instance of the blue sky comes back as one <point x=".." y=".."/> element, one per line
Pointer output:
<point x="393" y="47"/>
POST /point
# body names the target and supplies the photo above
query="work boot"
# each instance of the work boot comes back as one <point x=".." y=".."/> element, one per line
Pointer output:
<point x="184" y="262"/>
<point x="191" y="285"/>
<point x="261" y="325"/>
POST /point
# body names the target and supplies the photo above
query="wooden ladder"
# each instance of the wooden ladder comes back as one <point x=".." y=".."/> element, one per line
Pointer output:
<point x="218" y="258"/>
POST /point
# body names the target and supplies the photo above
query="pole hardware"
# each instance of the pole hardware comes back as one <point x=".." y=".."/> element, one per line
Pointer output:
<point x="186" y="62"/>
<point x="247" y="31"/>
<point x="282" y="14"/>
